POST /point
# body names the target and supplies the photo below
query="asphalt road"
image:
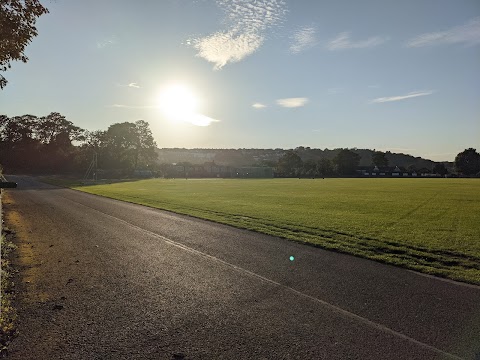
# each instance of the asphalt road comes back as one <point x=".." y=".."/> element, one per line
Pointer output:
<point x="103" y="279"/>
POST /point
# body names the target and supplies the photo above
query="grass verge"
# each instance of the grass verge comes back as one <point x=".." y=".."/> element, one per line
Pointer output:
<point x="7" y="311"/>
<point x="427" y="225"/>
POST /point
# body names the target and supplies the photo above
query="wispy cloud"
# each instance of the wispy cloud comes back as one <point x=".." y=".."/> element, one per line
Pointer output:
<point x="182" y="117"/>
<point x="200" y="120"/>
<point x="292" y="102"/>
<point x="122" y="106"/>
<point x="303" y="39"/>
<point x="401" y="97"/>
<point x="130" y="85"/>
<point x="468" y="34"/>
<point x="259" y="106"/>
<point x="107" y="42"/>
<point x="248" y="22"/>
<point x="343" y="41"/>
<point x="134" y="85"/>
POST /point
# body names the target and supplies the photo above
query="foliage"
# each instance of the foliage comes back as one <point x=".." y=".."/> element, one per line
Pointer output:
<point x="289" y="164"/>
<point x="346" y="162"/>
<point x="379" y="159"/>
<point x="430" y="225"/>
<point x="17" y="28"/>
<point x="36" y="144"/>
<point x="468" y="162"/>
<point x="45" y="145"/>
<point x="325" y="167"/>
<point x="440" y="169"/>
<point x="7" y="311"/>
<point x="124" y="145"/>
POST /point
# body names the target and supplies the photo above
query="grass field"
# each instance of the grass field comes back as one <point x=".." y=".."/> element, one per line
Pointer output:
<point x="429" y="225"/>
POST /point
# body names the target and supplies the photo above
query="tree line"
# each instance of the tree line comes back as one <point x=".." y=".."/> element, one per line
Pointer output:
<point x="53" y="144"/>
<point x="346" y="163"/>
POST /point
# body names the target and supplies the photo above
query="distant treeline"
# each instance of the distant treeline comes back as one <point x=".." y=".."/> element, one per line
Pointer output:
<point x="54" y="145"/>
<point x="270" y="157"/>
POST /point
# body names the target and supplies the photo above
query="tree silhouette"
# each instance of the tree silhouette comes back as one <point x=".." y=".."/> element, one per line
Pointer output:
<point x="468" y="162"/>
<point x="17" y="28"/>
<point x="346" y="162"/>
<point x="379" y="159"/>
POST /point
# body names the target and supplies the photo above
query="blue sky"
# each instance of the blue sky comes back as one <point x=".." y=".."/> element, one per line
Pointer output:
<point x="387" y="75"/>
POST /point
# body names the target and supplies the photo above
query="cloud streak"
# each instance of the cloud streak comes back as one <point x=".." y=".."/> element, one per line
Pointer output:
<point x="401" y="97"/>
<point x="468" y="34"/>
<point x="200" y="120"/>
<point x="292" y="102"/>
<point x="343" y="42"/>
<point x="259" y="106"/>
<point x="189" y="118"/>
<point x="122" y="106"/>
<point x="107" y="42"/>
<point x="303" y="39"/>
<point x="130" y="85"/>
<point x="249" y="21"/>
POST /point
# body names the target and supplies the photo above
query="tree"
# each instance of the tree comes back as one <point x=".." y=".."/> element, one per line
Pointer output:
<point x="17" y="28"/>
<point x="439" y="168"/>
<point x="346" y="162"/>
<point x="325" y="167"/>
<point x="379" y="159"/>
<point x="290" y="163"/>
<point x="129" y="145"/>
<point x="145" y="147"/>
<point x="468" y="162"/>
<point x="309" y="168"/>
<point x="55" y="129"/>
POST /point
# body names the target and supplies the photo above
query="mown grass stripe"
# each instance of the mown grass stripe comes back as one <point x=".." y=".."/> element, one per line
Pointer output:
<point x="414" y="223"/>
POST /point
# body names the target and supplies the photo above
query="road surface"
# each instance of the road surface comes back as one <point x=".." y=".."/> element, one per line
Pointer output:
<point x="104" y="279"/>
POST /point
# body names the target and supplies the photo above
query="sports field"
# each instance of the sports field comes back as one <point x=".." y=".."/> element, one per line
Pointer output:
<point x="429" y="225"/>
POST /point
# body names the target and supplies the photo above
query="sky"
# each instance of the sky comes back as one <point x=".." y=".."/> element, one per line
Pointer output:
<point x="390" y="75"/>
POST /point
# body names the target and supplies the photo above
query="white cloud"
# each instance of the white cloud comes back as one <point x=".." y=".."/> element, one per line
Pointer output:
<point x="222" y="48"/>
<point x="188" y="117"/>
<point x="292" y="102"/>
<point x="303" y="39"/>
<point x="130" y="85"/>
<point x="468" y="34"/>
<point x="248" y="22"/>
<point x="343" y="41"/>
<point x="200" y="120"/>
<point x="107" y="42"/>
<point x="401" y="97"/>
<point x="259" y="106"/>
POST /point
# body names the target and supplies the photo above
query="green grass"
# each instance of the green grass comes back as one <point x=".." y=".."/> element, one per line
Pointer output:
<point x="428" y="225"/>
<point x="7" y="312"/>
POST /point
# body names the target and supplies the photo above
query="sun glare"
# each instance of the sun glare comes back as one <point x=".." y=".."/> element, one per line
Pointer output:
<point x="178" y="102"/>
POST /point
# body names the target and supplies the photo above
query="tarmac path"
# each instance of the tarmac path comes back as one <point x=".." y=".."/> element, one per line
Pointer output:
<point x="104" y="279"/>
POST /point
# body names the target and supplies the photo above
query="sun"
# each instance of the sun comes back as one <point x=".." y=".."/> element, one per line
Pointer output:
<point x="178" y="102"/>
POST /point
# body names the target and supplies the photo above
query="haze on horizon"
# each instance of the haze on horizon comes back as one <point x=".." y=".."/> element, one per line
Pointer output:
<point x="385" y="75"/>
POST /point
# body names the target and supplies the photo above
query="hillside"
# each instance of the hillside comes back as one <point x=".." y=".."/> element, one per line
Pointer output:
<point x="248" y="157"/>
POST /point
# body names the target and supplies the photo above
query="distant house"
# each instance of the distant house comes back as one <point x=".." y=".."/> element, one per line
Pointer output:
<point x="387" y="171"/>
